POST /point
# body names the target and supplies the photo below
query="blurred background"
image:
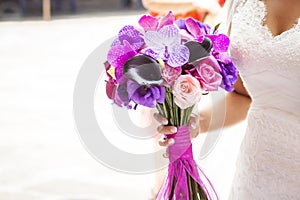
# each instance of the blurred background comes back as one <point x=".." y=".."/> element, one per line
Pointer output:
<point x="43" y="45"/>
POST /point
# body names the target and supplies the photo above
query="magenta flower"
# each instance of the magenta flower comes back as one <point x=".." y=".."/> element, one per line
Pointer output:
<point x="192" y="29"/>
<point x="167" y="20"/>
<point x="220" y="42"/>
<point x="149" y="23"/>
<point x="166" y="44"/>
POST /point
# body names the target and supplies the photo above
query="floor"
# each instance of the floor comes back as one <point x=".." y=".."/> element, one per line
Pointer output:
<point x="41" y="154"/>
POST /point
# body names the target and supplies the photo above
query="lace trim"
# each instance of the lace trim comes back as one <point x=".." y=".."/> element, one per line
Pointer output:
<point x="253" y="43"/>
<point x="263" y="13"/>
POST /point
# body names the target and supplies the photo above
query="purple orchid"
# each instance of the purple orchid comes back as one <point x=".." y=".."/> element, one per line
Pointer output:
<point x="145" y="95"/>
<point x="166" y="44"/>
<point x="193" y="28"/>
<point x="118" y="55"/>
<point x="200" y="30"/>
<point x="131" y="35"/>
<point x="149" y="23"/>
<point x="128" y="43"/>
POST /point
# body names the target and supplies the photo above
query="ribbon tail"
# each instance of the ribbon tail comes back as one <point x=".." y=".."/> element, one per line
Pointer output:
<point x="185" y="179"/>
<point x="199" y="176"/>
<point x="166" y="187"/>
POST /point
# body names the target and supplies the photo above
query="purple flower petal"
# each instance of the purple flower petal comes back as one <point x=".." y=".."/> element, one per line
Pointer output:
<point x="181" y="24"/>
<point x="133" y="36"/>
<point x="149" y="23"/>
<point x="220" y="42"/>
<point x="193" y="28"/>
<point x="132" y="87"/>
<point x="150" y="52"/>
<point x="229" y="76"/>
<point x="167" y="20"/>
<point x="116" y="42"/>
<point x="165" y="44"/>
<point x="223" y="57"/>
<point x="162" y="97"/>
<point x="118" y="55"/>
<point x="204" y="27"/>
<point x="119" y="73"/>
<point x="179" y="56"/>
<point x="145" y="95"/>
<point x="169" y="35"/>
<point x="153" y="39"/>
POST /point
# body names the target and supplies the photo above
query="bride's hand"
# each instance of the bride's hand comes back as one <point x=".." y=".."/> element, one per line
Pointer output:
<point x="167" y="130"/>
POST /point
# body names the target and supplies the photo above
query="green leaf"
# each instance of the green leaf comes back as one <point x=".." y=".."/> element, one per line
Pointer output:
<point x="216" y="27"/>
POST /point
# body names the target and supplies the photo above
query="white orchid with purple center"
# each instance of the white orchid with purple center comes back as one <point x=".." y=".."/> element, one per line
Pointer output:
<point x="166" y="45"/>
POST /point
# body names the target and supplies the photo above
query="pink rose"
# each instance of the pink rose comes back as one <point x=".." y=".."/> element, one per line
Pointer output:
<point x="207" y="72"/>
<point x="186" y="91"/>
<point x="210" y="79"/>
<point x="170" y="74"/>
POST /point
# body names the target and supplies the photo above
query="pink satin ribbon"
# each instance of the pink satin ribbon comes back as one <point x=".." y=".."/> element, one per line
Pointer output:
<point x="182" y="161"/>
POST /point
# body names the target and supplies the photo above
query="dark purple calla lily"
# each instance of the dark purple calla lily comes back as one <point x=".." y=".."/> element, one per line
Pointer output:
<point x="143" y="70"/>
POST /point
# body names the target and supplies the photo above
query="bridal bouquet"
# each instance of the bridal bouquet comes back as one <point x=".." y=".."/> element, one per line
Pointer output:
<point x="169" y="65"/>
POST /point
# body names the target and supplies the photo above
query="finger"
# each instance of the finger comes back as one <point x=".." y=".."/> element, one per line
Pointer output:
<point x="167" y="130"/>
<point x="160" y="118"/>
<point x="166" y="155"/>
<point x="193" y="123"/>
<point x="166" y="142"/>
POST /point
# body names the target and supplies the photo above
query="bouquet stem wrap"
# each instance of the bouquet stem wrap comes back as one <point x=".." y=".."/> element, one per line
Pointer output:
<point x="185" y="180"/>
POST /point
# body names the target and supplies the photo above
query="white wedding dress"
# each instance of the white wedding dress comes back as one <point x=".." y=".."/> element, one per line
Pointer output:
<point x="268" y="167"/>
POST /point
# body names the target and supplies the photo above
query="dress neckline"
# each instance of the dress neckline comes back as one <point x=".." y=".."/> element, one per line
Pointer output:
<point x="263" y="13"/>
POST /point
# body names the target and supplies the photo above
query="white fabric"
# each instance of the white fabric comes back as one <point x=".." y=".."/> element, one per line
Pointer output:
<point x="268" y="166"/>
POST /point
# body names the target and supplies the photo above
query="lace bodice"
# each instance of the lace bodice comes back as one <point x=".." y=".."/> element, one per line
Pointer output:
<point x="269" y="162"/>
<point x="270" y="66"/>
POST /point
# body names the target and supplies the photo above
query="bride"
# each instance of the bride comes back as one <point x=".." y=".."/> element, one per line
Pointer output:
<point x="265" y="43"/>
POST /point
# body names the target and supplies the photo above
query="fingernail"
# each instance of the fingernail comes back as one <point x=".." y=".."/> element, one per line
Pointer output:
<point x="159" y="128"/>
<point x="171" y="141"/>
<point x="165" y="122"/>
<point x="173" y="130"/>
<point x="166" y="155"/>
<point x="193" y="125"/>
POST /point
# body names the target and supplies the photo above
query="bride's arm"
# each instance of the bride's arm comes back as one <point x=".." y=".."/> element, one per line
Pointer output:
<point x="236" y="103"/>
<point x="182" y="6"/>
